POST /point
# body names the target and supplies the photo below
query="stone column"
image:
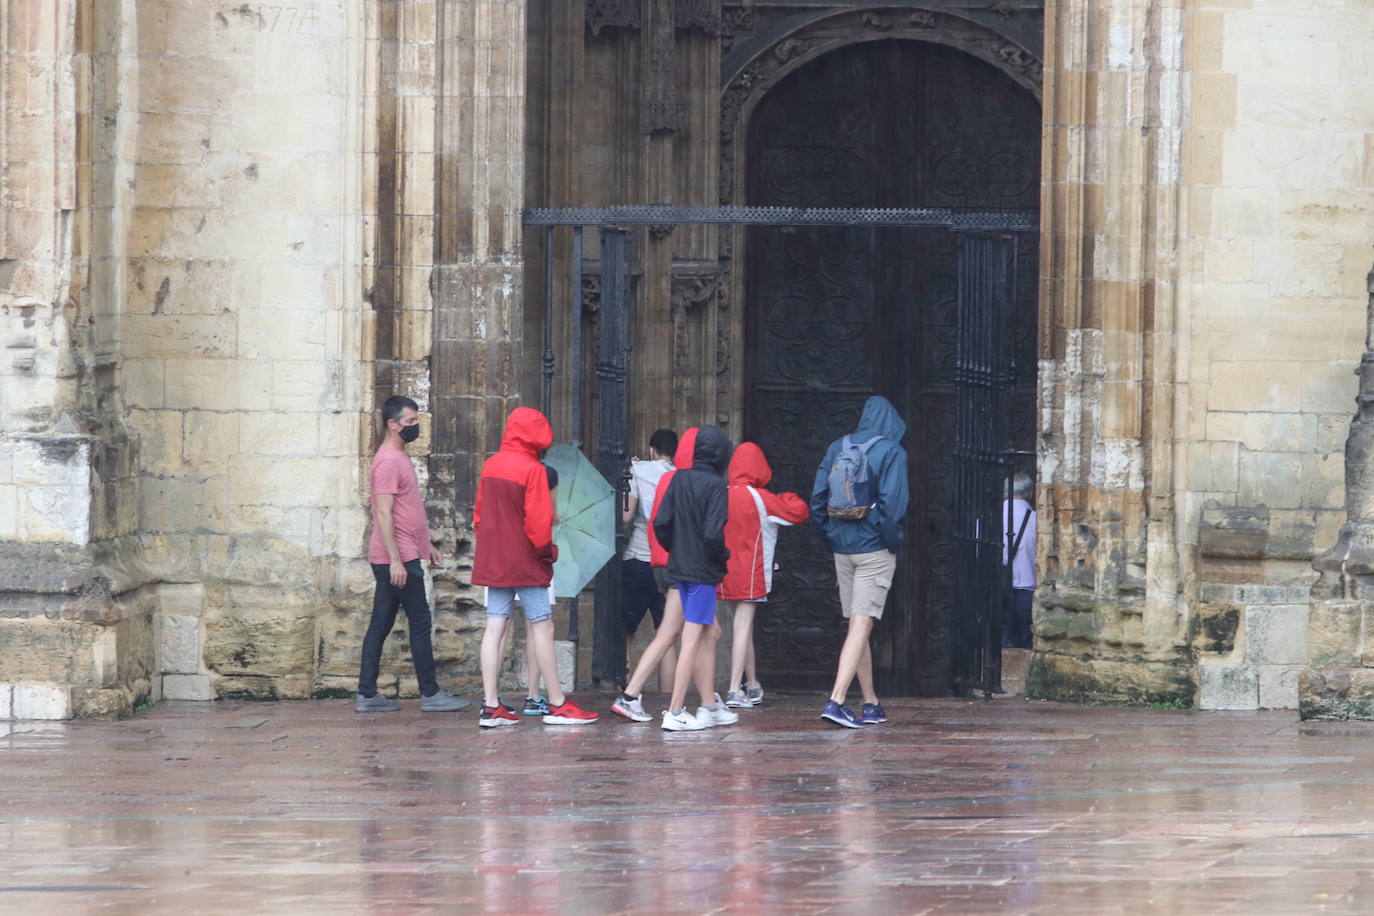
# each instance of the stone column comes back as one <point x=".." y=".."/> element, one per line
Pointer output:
<point x="478" y="263"/>
<point x="1339" y="682"/>
<point x="1111" y="619"/>
<point x="71" y="645"/>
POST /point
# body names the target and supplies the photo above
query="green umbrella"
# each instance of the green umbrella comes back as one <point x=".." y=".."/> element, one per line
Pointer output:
<point x="585" y="530"/>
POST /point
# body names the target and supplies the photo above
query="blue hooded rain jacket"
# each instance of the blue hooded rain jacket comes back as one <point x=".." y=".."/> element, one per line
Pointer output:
<point x="881" y="529"/>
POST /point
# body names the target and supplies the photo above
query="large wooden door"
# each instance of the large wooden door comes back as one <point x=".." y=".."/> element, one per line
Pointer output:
<point x="839" y="314"/>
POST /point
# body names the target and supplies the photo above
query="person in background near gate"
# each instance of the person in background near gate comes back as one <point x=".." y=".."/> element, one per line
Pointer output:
<point x="1021" y="537"/>
<point x="400" y="540"/>
<point x="859" y="501"/>
<point x="690" y="524"/>
<point x="514" y="556"/>
<point x="630" y="703"/>
<point x="751" y="532"/>
<point x="643" y="584"/>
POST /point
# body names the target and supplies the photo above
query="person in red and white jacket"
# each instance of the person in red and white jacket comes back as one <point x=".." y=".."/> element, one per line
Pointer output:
<point x="514" y="557"/>
<point x="751" y="533"/>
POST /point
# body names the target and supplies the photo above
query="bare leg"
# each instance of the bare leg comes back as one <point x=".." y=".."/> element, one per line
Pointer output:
<point x="667" y="669"/>
<point x="866" y="674"/>
<point x="492" y="644"/>
<point x="541" y="637"/>
<point x="852" y="654"/>
<point x="664" y="637"/>
<point x="751" y="664"/>
<point x="741" y="643"/>
<point x="532" y="671"/>
<point x="693" y="635"/>
<point x="705" y="672"/>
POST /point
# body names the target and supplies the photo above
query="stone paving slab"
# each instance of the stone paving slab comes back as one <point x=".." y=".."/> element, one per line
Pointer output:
<point x="953" y="807"/>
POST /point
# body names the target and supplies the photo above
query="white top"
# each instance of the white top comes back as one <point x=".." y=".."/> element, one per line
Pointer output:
<point x="1023" y="564"/>
<point x="644" y="478"/>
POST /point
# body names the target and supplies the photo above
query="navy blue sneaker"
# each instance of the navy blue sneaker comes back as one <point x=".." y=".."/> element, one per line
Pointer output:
<point x="840" y="715"/>
<point x="874" y="714"/>
<point x="536" y="706"/>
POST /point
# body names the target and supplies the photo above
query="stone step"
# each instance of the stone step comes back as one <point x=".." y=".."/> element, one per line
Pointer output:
<point x="1015" y="668"/>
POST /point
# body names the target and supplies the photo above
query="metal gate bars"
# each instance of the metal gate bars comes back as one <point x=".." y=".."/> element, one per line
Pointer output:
<point x="984" y="379"/>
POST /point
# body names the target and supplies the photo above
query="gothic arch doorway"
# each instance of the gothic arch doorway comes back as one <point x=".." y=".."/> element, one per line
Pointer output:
<point x="834" y="315"/>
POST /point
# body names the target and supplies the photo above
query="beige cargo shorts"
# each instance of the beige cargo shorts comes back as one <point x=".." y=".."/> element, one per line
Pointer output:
<point x="865" y="579"/>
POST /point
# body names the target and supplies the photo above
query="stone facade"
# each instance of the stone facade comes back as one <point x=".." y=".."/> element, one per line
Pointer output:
<point x="219" y="245"/>
<point x="230" y="228"/>
<point x="1208" y="233"/>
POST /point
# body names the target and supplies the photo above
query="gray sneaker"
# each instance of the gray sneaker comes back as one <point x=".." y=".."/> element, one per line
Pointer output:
<point x="736" y="699"/>
<point x="375" y="703"/>
<point x="443" y="701"/>
<point x="754" y="694"/>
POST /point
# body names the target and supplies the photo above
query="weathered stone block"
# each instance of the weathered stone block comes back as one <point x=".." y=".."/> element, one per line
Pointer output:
<point x="1276" y="634"/>
<point x="41" y="701"/>
<point x="264" y="688"/>
<point x="565" y="654"/>
<point x="1074" y="678"/>
<point x="1228" y="687"/>
<point x="6" y="701"/>
<point x="186" y="687"/>
<point x="41" y="651"/>
<point x="102" y="702"/>
<point x="184" y="600"/>
<point x="270" y="645"/>
<point x="1278" y="686"/>
<point x="1336" y="692"/>
<point x="1333" y="632"/>
<point x="178" y="644"/>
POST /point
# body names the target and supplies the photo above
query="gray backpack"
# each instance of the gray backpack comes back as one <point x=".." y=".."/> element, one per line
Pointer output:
<point x="851" y="494"/>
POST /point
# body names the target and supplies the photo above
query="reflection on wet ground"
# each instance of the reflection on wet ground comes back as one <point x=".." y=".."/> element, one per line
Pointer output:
<point x="954" y="806"/>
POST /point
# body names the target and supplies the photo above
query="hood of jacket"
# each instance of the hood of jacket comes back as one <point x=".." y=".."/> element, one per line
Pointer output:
<point x="711" y="451"/>
<point x="880" y="418"/>
<point x="527" y="431"/>
<point x="686" y="447"/>
<point x="749" y="467"/>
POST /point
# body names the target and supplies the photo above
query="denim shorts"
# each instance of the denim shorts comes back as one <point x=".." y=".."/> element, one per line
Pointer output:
<point x="533" y="598"/>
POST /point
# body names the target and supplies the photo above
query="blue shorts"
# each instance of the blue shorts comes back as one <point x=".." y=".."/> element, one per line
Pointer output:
<point x="698" y="603"/>
<point x="533" y="598"/>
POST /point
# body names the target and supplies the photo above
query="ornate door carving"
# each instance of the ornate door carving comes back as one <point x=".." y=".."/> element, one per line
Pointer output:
<point x="836" y="315"/>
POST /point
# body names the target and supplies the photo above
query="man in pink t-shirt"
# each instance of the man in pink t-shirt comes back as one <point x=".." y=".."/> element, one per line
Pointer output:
<point x="400" y="540"/>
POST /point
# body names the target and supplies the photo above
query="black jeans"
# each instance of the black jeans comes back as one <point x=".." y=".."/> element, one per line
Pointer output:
<point x="1020" y="636"/>
<point x="640" y="593"/>
<point x="385" y="601"/>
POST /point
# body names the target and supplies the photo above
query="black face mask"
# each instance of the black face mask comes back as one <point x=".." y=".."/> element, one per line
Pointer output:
<point x="410" y="433"/>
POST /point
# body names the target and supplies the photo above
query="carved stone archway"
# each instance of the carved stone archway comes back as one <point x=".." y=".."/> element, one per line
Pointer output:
<point x="761" y="62"/>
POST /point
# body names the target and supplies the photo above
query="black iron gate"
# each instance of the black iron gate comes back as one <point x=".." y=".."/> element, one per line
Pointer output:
<point x="985" y="376"/>
<point x="984" y="381"/>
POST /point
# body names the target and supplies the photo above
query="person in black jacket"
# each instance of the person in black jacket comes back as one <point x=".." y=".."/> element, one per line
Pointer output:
<point x="690" y="524"/>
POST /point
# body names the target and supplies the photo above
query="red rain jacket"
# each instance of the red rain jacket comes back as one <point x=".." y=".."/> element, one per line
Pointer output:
<point x="682" y="458"/>
<point x="513" y="517"/>
<point x="750" y="537"/>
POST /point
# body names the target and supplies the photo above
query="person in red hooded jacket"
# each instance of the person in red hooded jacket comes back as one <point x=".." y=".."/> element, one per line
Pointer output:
<point x="751" y="533"/>
<point x="514" y="557"/>
<point x="630" y="704"/>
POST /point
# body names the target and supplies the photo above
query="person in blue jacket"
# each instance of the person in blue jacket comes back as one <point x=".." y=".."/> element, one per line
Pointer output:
<point x="865" y="540"/>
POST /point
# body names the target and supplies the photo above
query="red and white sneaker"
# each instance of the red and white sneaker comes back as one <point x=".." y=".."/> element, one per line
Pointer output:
<point x="569" y="714"/>
<point x="501" y="714"/>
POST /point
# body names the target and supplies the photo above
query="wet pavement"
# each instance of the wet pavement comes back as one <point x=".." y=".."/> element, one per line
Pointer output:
<point x="952" y="807"/>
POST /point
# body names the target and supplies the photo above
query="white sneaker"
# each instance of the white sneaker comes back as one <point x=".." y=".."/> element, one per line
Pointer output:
<point x="736" y="699"/>
<point x="682" y="721"/>
<point x="716" y="714"/>
<point x="631" y="709"/>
